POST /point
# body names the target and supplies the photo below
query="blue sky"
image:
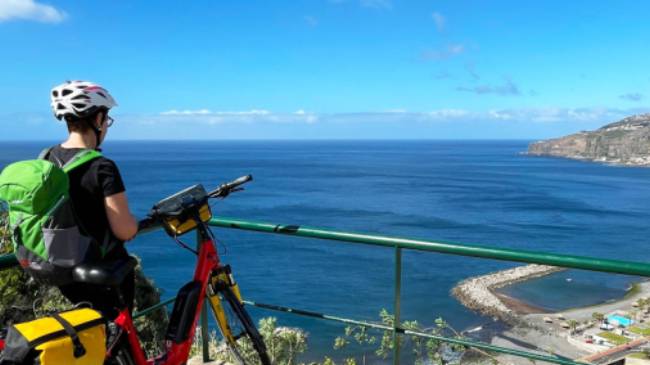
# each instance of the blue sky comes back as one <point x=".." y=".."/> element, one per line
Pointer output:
<point x="329" y="68"/>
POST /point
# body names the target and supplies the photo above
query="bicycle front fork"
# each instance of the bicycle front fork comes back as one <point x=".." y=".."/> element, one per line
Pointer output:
<point x="222" y="278"/>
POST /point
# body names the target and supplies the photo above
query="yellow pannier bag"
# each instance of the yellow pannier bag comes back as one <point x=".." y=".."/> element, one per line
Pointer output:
<point x="76" y="337"/>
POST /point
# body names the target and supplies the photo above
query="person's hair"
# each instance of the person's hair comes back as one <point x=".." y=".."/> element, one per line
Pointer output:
<point x="82" y="125"/>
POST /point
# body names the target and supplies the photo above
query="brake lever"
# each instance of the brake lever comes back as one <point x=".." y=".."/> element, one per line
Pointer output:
<point x="224" y="193"/>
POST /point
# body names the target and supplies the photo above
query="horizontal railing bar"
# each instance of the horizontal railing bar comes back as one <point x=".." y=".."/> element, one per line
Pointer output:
<point x="533" y="257"/>
<point x="8" y="261"/>
<point x="456" y="341"/>
<point x="154" y="307"/>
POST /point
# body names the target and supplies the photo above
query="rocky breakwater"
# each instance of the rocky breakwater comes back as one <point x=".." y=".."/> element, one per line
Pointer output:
<point x="626" y="142"/>
<point x="478" y="293"/>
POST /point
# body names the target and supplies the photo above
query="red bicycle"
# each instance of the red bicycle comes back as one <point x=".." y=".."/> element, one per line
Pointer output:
<point x="186" y="211"/>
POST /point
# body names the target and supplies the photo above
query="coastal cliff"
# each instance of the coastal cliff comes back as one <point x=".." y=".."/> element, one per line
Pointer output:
<point x="626" y="142"/>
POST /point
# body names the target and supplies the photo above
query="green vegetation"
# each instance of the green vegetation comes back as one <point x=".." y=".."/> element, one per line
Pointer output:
<point x="423" y="350"/>
<point x="573" y="324"/>
<point x="640" y="355"/>
<point x="598" y="317"/>
<point x="643" y="331"/>
<point x="615" y="134"/>
<point x="614" y="338"/>
<point x="283" y="344"/>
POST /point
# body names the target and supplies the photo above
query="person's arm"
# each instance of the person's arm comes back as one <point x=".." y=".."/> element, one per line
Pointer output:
<point x="122" y="222"/>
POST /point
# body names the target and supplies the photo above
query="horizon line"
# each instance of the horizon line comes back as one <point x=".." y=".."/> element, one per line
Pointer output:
<point x="289" y="140"/>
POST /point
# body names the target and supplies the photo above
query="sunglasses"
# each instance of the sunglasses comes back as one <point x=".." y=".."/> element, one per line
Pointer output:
<point x="109" y="121"/>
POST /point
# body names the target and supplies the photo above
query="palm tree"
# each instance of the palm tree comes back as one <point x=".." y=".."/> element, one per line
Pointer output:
<point x="599" y="317"/>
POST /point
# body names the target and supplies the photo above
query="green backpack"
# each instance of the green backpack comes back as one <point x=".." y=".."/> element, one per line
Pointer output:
<point x="47" y="239"/>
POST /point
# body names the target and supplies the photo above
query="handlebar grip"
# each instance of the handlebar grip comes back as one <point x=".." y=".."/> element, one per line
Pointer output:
<point x="239" y="181"/>
<point x="229" y="187"/>
<point x="147" y="224"/>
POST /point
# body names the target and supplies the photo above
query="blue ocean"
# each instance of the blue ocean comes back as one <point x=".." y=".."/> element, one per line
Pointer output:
<point x="483" y="192"/>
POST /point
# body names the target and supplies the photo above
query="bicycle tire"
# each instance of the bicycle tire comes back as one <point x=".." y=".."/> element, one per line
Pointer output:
<point x="122" y="355"/>
<point x="123" y="358"/>
<point x="238" y="318"/>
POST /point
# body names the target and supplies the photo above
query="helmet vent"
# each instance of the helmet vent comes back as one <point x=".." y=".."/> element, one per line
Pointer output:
<point x="79" y="99"/>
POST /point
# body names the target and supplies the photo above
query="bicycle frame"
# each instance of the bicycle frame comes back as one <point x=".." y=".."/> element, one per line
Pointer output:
<point x="176" y="353"/>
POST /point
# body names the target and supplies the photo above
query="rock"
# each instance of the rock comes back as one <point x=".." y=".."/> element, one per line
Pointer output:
<point x="626" y="142"/>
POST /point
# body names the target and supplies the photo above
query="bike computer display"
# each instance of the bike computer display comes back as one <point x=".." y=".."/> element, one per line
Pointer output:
<point x="179" y="212"/>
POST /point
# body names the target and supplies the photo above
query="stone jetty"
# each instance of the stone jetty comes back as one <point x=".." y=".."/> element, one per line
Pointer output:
<point x="478" y="293"/>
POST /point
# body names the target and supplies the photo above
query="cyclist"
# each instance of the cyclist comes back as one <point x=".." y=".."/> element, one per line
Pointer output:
<point x="96" y="188"/>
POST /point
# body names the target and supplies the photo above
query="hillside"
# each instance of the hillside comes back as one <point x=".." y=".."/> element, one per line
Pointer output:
<point x="626" y="142"/>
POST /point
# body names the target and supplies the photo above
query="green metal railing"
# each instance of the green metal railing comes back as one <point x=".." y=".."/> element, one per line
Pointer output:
<point x="398" y="244"/>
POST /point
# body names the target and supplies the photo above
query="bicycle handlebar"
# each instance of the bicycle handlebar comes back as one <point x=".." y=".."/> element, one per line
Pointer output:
<point x="224" y="189"/>
<point x="150" y="222"/>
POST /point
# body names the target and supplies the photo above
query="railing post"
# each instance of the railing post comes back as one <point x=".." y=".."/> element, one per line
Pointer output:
<point x="205" y="333"/>
<point x="396" y="303"/>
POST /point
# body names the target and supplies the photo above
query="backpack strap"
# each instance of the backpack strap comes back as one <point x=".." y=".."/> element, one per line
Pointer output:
<point x="80" y="158"/>
<point x="79" y="349"/>
<point x="44" y="153"/>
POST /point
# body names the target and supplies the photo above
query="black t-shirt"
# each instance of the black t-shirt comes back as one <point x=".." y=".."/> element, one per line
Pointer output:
<point x="89" y="185"/>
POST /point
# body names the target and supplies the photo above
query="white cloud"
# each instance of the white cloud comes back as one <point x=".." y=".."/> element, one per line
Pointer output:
<point x="30" y="10"/>
<point x="247" y="116"/>
<point x="208" y="112"/>
<point x="440" y="21"/>
<point x="538" y="115"/>
<point x="444" y="123"/>
<point x="560" y="115"/>
<point x="446" y="114"/>
<point x="632" y="97"/>
<point x="443" y="54"/>
<point x="186" y="112"/>
<point x="509" y="88"/>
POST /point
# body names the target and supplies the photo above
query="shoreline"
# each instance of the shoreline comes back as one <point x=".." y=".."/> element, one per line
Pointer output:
<point x="642" y="162"/>
<point x="534" y="331"/>
<point x="530" y="328"/>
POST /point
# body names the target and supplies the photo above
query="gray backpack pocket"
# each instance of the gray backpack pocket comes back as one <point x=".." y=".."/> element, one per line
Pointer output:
<point x="66" y="247"/>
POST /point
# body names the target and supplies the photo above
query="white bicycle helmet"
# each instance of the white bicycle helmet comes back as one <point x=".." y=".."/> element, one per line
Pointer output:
<point x="79" y="99"/>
